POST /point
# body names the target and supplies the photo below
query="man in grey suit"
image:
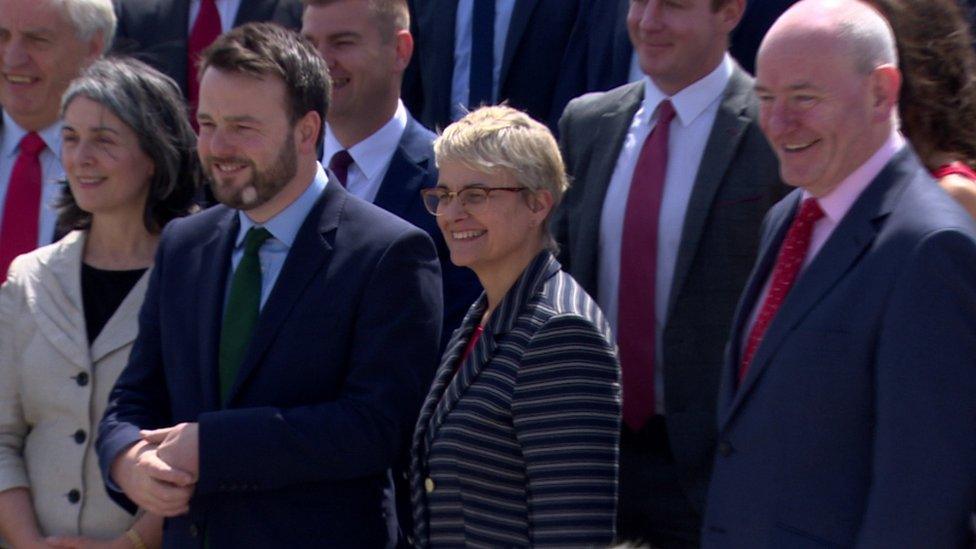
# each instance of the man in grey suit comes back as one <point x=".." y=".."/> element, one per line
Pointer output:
<point x="694" y="239"/>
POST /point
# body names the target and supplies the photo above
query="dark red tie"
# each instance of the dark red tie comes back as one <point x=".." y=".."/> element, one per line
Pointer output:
<point x="638" y="273"/>
<point x="205" y="30"/>
<point x="22" y="207"/>
<point x="339" y="164"/>
<point x="788" y="263"/>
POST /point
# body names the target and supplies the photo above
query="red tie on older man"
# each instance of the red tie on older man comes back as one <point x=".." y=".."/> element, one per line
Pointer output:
<point x="22" y="207"/>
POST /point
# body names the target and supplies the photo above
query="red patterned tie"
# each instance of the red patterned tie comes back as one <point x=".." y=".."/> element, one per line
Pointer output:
<point x="788" y="263"/>
<point x="22" y="207"/>
<point x="206" y="29"/>
<point x="638" y="273"/>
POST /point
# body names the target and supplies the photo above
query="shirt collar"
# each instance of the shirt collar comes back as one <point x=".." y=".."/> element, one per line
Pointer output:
<point x="286" y="224"/>
<point x="837" y="202"/>
<point x="13" y="133"/>
<point x="373" y="153"/>
<point x="691" y="101"/>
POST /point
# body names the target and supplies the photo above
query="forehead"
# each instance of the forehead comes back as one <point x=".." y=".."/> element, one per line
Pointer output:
<point x="84" y="113"/>
<point x="789" y="63"/>
<point x="226" y="94"/>
<point x="32" y="15"/>
<point x="338" y="16"/>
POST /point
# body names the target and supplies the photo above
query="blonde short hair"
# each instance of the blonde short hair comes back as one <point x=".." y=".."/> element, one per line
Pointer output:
<point x="502" y="138"/>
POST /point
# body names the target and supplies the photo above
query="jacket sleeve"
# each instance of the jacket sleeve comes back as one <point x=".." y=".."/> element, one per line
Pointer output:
<point x="924" y="465"/>
<point x="139" y="399"/>
<point x="566" y="413"/>
<point x="13" y="425"/>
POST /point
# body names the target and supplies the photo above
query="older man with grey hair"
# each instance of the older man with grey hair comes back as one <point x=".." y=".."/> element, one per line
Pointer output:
<point x="847" y="415"/>
<point x="44" y="44"/>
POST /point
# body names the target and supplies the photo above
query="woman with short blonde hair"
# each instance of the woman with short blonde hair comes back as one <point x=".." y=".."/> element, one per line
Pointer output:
<point x="517" y="441"/>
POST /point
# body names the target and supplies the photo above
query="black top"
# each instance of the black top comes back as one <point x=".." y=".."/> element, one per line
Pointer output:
<point x="102" y="292"/>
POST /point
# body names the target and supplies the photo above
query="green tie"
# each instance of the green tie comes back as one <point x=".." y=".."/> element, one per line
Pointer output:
<point x="241" y="313"/>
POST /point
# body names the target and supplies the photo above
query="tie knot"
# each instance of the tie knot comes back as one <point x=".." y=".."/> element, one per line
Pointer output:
<point x="810" y="211"/>
<point x="665" y="112"/>
<point x="254" y="238"/>
<point x="340" y="161"/>
<point x="32" y="144"/>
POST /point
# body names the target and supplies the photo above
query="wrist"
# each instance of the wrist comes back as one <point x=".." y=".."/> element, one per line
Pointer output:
<point x="124" y="462"/>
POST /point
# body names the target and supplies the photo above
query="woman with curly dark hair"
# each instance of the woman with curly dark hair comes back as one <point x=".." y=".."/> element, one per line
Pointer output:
<point x="938" y="95"/>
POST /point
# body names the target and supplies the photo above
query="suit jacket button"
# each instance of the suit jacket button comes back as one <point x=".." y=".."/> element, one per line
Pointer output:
<point x="429" y="484"/>
<point x="79" y="436"/>
<point x="82" y="379"/>
<point x="74" y="496"/>
<point x="725" y="448"/>
<point x="194" y="531"/>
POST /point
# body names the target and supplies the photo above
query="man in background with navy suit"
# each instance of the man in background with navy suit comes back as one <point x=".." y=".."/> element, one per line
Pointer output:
<point x="847" y="414"/>
<point x="288" y="335"/>
<point x="378" y="150"/>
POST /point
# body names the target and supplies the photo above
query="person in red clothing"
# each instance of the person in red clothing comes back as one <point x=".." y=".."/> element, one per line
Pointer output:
<point x="937" y="103"/>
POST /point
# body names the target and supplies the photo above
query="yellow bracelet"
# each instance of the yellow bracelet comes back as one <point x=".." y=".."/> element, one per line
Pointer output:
<point x="135" y="538"/>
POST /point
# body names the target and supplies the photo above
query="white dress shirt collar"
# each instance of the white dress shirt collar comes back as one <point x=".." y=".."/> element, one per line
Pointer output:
<point x="12" y="134"/>
<point x="372" y="154"/>
<point x="690" y="102"/>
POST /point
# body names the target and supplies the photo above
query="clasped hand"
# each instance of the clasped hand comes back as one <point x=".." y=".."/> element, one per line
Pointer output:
<point x="159" y="473"/>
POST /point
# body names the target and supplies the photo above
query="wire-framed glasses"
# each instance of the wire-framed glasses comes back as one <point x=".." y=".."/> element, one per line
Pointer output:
<point x="437" y="199"/>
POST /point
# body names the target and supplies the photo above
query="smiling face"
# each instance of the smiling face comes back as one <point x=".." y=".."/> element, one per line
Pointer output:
<point x="107" y="170"/>
<point x="496" y="235"/>
<point x="678" y="42"/>
<point x="366" y="58"/>
<point x="823" y="117"/>
<point x="246" y="143"/>
<point x="40" y="53"/>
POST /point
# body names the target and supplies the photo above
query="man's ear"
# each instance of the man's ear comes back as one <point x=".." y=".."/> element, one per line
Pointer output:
<point x="732" y="12"/>
<point x="885" y="82"/>
<point x="404" y="49"/>
<point x="307" y="130"/>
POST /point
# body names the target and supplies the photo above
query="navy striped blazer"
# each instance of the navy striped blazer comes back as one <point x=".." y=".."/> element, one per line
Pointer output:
<point x="520" y="447"/>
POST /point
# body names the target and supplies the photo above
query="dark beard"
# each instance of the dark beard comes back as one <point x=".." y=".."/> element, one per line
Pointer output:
<point x="263" y="186"/>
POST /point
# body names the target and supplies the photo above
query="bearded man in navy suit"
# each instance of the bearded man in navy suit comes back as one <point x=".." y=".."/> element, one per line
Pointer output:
<point x="847" y="414"/>
<point x="288" y="335"/>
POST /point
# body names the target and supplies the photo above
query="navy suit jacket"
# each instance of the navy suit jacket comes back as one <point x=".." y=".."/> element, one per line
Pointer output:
<point x="856" y="422"/>
<point x="332" y="381"/>
<point x="532" y="69"/>
<point x="411" y="169"/>
<point x="155" y="31"/>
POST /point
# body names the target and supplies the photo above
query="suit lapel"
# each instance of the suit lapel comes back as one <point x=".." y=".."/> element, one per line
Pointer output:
<point x="308" y="255"/>
<point x="521" y="15"/>
<point x="845" y="247"/>
<point x="57" y="304"/>
<point x="122" y="328"/>
<point x="777" y="225"/>
<point x="543" y="267"/>
<point x="404" y="178"/>
<point x="723" y="142"/>
<point x="452" y="379"/>
<point x="601" y="154"/>
<point x="210" y="294"/>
